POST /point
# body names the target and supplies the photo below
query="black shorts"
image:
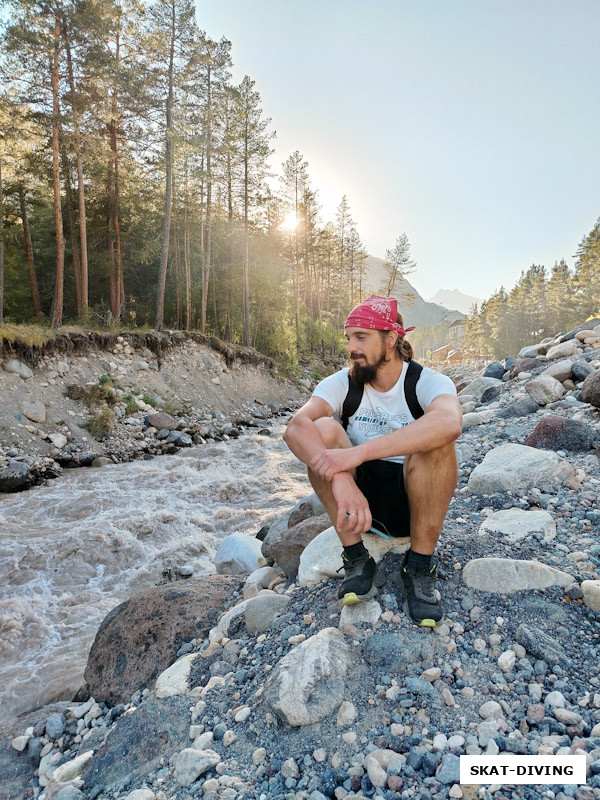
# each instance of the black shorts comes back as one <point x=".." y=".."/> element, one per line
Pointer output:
<point x="382" y="484"/>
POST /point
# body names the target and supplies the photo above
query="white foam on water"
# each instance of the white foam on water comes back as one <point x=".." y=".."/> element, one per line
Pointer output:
<point x="74" y="549"/>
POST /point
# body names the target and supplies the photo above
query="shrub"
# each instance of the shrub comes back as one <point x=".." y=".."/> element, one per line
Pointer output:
<point x="102" y="423"/>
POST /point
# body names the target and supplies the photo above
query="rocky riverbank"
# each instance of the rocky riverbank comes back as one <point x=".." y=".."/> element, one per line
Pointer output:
<point x="283" y="696"/>
<point x="90" y="399"/>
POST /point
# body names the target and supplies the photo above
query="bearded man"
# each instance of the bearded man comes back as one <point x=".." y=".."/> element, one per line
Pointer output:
<point x="378" y="441"/>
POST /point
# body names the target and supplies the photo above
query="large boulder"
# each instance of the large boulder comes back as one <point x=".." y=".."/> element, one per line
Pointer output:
<point x="138" y="745"/>
<point x="239" y="554"/>
<point x="520" y="408"/>
<point x="589" y="324"/>
<point x="591" y="389"/>
<point x="580" y="369"/>
<point x="545" y="389"/>
<point x="287" y="546"/>
<point x="561" y="370"/>
<point x="524" y="365"/>
<point x="18" y="368"/>
<point x="568" y="348"/>
<point x="140" y="638"/>
<point x="34" y="410"/>
<point x="516" y="466"/>
<point x="562" y="433"/>
<point x="509" y="575"/>
<point x="160" y="419"/>
<point x="531" y="351"/>
<point x="14" y="476"/>
<point x="308" y="684"/>
<point x="305" y="508"/>
<point x="494" y="370"/>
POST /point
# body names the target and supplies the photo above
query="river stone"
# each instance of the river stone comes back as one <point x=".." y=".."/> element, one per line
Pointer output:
<point x="71" y="793"/>
<point x="561" y="370"/>
<point x="563" y="433"/>
<point x="509" y="575"/>
<point x="366" y="613"/>
<point x="176" y="678"/>
<point x="140" y="794"/>
<point x="72" y="769"/>
<point x="516" y="524"/>
<point x="239" y="554"/>
<point x="191" y="763"/>
<point x="160" y="419"/>
<point x="470" y="420"/>
<point x="540" y="645"/>
<point x="14" y="476"/>
<point x="260" y="612"/>
<point x="591" y="594"/>
<point x="449" y="770"/>
<point x="581" y="369"/>
<point x="516" y="466"/>
<point x="18" y="368"/>
<point x="322" y="558"/>
<point x="308" y="684"/>
<point x="140" y="638"/>
<point x="491" y="394"/>
<point x="399" y="651"/>
<point x="58" y="440"/>
<point x="286" y="548"/>
<point x="477" y="387"/>
<point x="524" y="365"/>
<point x="531" y="351"/>
<point x="137" y="745"/>
<point x="591" y="389"/>
<point x="563" y="349"/>
<point x="33" y="410"/>
<point x="55" y="725"/>
<point x="545" y="389"/>
<point x="520" y="408"/>
<point x="494" y="370"/>
<point x="263" y="578"/>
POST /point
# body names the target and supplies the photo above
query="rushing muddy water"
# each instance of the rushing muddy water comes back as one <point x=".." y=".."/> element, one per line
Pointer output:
<point x="72" y="550"/>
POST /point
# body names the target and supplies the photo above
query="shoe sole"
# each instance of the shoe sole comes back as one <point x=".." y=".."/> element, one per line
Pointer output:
<point x="427" y="622"/>
<point x="351" y="598"/>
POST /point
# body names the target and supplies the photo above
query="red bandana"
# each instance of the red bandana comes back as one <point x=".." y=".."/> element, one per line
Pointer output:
<point x="377" y="313"/>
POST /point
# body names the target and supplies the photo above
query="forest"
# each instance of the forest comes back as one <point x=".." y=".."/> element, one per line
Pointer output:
<point x="136" y="191"/>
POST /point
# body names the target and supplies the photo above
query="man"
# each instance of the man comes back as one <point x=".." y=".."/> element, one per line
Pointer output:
<point x="389" y="470"/>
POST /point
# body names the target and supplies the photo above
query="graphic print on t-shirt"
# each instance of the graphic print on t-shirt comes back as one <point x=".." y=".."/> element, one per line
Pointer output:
<point x="378" y="422"/>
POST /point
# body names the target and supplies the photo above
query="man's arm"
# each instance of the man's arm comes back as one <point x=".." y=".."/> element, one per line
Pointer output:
<point x="301" y="434"/>
<point x="440" y="424"/>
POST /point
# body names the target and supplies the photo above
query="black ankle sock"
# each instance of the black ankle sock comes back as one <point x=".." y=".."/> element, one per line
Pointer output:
<point x="418" y="562"/>
<point x="355" y="551"/>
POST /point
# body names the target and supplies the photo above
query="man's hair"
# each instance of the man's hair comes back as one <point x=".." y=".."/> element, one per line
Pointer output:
<point x="403" y="347"/>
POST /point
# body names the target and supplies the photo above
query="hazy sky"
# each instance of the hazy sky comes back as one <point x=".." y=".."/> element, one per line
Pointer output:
<point x="471" y="125"/>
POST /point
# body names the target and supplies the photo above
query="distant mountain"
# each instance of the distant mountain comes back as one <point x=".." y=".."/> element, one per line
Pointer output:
<point x="414" y="310"/>
<point x="452" y="298"/>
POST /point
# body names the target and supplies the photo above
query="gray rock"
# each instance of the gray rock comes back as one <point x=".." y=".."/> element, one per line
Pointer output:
<point x="68" y="793"/>
<point x="55" y="726"/>
<point x="102" y="461"/>
<point x="541" y="645"/>
<point x="449" y="770"/>
<point x="160" y="419"/>
<point x="509" y="575"/>
<point x="287" y="545"/>
<point x="479" y="385"/>
<point x="519" y="409"/>
<point x="18" y="368"/>
<point x="470" y="420"/>
<point x="516" y="524"/>
<point x="239" y="554"/>
<point x="563" y="349"/>
<point x="545" y="389"/>
<point x="561" y="370"/>
<point x="398" y="651"/>
<point x="261" y="611"/>
<point x="581" y="369"/>
<point x="308" y="684"/>
<point x="14" y="476"/>
<point x="191" y="763"/>
<point x="494" y="370"/>
<point x="529" y="352"/>
<point x="33" y="410"/>
<point x="590" y="390"/>
<point x="515" y="466"/>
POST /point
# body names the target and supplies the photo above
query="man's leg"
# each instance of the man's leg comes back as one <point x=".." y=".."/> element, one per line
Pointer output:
<point x="361" y="577"/>
<point x="430" y="479"/>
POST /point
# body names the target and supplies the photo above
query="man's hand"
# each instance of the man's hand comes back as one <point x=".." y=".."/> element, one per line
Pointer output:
<point x="354" y="515"/>
<point x="331" y="462"/>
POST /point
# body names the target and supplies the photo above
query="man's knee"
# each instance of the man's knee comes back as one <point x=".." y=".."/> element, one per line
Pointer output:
<point x="441" y="460"/>
<point x="332" y="433"/>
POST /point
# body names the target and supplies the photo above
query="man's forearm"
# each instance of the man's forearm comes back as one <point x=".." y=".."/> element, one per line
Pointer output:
<point x="425" y="434"/>
<point x="304" y="439"/>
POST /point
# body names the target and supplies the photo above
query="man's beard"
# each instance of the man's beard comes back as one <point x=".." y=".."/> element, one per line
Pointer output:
<point x="365" y="373"/>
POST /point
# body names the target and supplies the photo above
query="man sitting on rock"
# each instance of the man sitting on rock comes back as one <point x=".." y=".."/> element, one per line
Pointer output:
<point x="378" y="441"/>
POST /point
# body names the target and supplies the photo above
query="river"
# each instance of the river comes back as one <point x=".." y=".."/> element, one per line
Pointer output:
<point x="72" y="550"/>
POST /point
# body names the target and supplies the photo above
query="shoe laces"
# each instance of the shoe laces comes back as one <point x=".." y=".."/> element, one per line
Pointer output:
<point x="351" y="567"/>
<point x="425" y="580"/>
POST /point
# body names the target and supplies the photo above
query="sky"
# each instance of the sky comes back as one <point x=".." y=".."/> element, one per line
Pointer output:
<point x="473" y="126"/>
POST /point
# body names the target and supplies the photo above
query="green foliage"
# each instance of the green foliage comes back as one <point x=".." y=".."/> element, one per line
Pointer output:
<point x="93" y="396"/>
<point x="102" y="423"/>
<point x="151" y="401"/>
<point x="104" y="379"/>
<point x="130" y="405"/>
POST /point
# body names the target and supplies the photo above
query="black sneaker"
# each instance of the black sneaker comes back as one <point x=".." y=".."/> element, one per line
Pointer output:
<point x="421" y="604"/>
<point x="361" y="579"/>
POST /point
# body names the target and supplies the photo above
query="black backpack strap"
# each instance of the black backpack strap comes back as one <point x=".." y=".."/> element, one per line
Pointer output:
<point x="413" y="373"/>
<point x="351" y="401"/>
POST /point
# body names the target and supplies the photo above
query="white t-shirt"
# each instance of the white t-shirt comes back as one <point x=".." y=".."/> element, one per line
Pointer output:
<point x="381" y="412"/>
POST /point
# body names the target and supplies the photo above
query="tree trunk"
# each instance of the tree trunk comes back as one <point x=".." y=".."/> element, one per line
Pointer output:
<point x="35" y="294"/>
<point x="186" y="254"/>
<point x="1" y="249"/>
<point x="72" y="230"/>
<point x="207" y="252"/>
<point x="59" y="287"/>
<point x="245" y="281"/>
<point x="166" y="232"/>
<point x="115" y="220"/>
<point x="82" y="278"/>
